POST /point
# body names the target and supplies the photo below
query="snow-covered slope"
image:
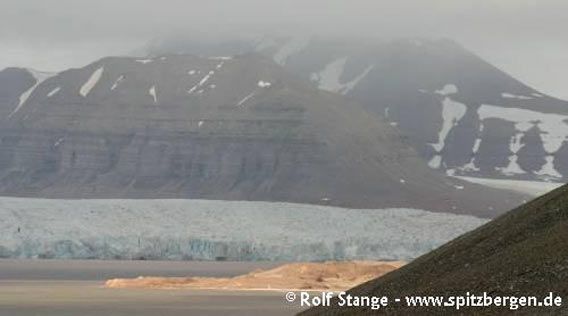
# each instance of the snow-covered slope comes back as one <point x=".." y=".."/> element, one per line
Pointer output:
<point x="210" y="230"/>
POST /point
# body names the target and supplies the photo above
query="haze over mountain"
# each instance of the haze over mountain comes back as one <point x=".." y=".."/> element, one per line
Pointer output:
<point x="180" y="126"/>
<point x="463" y="115"/>
<point x="60" y="34"/>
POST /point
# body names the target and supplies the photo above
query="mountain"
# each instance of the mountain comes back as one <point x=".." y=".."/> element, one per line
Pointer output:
<point x="463" y="115"/>
<point x="181" y="126"/>
<point x="520" y="253"/>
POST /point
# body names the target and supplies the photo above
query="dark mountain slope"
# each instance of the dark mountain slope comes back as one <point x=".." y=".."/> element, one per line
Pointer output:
<point x="463" y="115"/>
<point x="523" y="252"/>
<point x="181" y="126"/>
<point x="14" y="82"/>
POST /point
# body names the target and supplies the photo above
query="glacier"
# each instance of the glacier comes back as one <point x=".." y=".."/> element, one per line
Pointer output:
<point x="218" y="230"/>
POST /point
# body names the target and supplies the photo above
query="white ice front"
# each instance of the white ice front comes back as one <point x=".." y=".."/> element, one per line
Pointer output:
<point x="206" y="230"/>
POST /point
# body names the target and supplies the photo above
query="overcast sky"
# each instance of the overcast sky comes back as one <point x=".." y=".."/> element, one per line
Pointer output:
<point x="525" y="38"/>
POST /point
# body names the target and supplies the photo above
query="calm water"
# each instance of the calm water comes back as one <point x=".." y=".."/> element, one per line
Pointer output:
<point x="63" y="288"/>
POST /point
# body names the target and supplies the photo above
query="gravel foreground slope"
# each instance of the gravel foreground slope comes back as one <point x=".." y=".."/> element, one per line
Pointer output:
<point x="521" y="253"/>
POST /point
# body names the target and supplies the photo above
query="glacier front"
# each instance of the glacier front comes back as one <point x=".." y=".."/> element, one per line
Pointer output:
<point x="218" y="230"/>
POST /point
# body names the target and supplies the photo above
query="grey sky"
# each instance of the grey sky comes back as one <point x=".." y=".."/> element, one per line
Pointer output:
<point x="525" y="38"/>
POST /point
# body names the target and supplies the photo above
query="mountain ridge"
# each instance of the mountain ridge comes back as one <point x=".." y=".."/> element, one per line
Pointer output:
<point x="489" y="125"/>
<point x="181" y="126"/>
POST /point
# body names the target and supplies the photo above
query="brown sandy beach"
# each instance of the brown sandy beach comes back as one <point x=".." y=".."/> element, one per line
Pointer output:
<point x="335" y="276"/>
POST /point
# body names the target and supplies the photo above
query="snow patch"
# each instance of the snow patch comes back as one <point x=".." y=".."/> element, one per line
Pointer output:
<point x="245" y="99"/>
<point x="470" y="166"/>
<point x="53" y="92"/>
<point x="435" y="162"/>
<point x="221" y="58"/>
<point x="329" y="77"/>
<point x="144" y="61"/>
<point x="533" y="188"/>
<point x="58" y="142"/>
<point x="152" y="93"/>
<point x="447" y="90"/>
<point x="204" y="80"/>
<point x="190" y="91"/>
<point x="117" y="82"/>
<point x="264" y="84"/>
<point x="548" y="170"/>
<point x="476" y="145"/>
<point x="92" y="82"/>
<point x="515" y="145"/>
<point x="40" y="77"/>
<point x="452" y="113"/>
<point x="513" y="168"/>
<point x="201" y="83"/>
<point x="513" y="96"/>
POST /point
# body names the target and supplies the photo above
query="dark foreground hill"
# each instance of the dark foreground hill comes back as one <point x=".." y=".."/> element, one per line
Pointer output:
<point x="524" y="252"/>
<point x="181" y="126"/>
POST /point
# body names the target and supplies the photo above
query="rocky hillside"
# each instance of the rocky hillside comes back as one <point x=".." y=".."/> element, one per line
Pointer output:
<point x="180" y="126"/>
<point x="521" y="253"/>
<point x="463" y="115"/>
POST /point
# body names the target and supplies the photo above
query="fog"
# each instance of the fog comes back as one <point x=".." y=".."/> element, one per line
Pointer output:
<point x="525" y="38"/>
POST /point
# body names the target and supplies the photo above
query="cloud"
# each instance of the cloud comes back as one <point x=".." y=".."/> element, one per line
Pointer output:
<point x="510" y="33"/>
<point x="77" y="19"/>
